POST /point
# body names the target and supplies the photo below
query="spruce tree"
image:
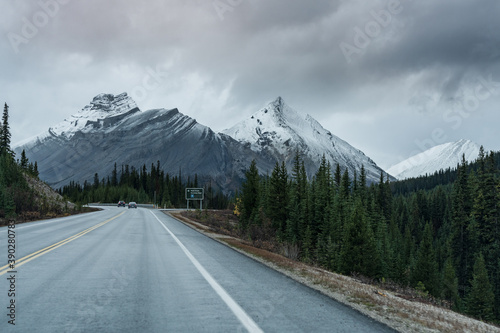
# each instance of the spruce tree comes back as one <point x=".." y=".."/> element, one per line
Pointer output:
<point x="250" y="195"/>
<point x="96" y="181"/>
<point x="1" y="136"/>
<point x="35" y="169"/>
<point x="277" y="199"/>
<point x="361" y="186"/>
<point x="297" y="207"/>
<point x="486" y="211"/>
<point x="114" y="176"/>
<point x="359" y="251"/>
<point x="321" y="193"/>
<point x="24" y="160"/>
<point x="426" y="267"/>
<point x="460" y="238"/>
<point x="345" y="186"/>
<point x="337" y="178"/>
<point x="480" y="299"/>
<point x="450" y="285"/>
<point x="5" y="133"/>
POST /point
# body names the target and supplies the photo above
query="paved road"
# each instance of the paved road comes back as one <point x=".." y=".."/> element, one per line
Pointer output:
<point x="121" y="270"/>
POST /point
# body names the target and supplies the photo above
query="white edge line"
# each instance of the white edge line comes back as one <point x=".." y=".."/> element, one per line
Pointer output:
<point x="242" y="316"/>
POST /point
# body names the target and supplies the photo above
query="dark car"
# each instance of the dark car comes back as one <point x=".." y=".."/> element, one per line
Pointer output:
<point x="121" y="203"/>
<point x="132" y="205"/>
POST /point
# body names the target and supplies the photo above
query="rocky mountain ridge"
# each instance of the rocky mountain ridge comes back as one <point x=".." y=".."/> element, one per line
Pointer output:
<point x="112" y="129"/>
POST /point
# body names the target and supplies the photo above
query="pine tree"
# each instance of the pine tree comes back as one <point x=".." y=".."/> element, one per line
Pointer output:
<point x="297" y="223"/>
<point x="320" y="198"/>
<point x="114" y="176"/>
<point x="426" y="267"/>
<point x="35" y="170"/>
<point x="486" y="211"/>
<point x="345" y="186"/>
<point x="450" y="285"/>
<point x="359" y="251"/>
<point x="5" y="133"/>
<point x="96" y="181"/>
<point x="307" y="247"/>
<point x="250" y="195"/>
<point x="1" y="136"/>
<point x="277" y="199"/>
<point x="361" y="186"/>
<point x="480" y="298"/>
<point x="383" y="249"/>
<point x="337" y="178"/>
<point x="24" y="160"/>
<point x="460" y="238"/>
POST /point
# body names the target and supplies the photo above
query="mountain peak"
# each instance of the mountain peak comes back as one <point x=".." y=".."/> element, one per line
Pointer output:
<point x="446" y="155"/>
<point x="278" y="104"/>
<point x="279" y="130"/>
<point x="109" y="103"/>
<point x="103" y="106"/>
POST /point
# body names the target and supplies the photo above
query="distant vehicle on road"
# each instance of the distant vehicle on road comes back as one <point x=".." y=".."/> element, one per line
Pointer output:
<point x="121" y="203"/>
<point x="132" y="205"/>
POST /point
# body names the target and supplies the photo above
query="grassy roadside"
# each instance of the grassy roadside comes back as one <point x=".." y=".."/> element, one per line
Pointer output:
<point x="404" y="312"/>
<point x="28" y="217"/>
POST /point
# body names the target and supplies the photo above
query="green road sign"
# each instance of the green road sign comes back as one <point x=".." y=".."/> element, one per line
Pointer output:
<point x="194" y="194"/>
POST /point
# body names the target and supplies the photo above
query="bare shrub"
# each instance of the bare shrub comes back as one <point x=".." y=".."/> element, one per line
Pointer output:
<point x="291" y="251"/>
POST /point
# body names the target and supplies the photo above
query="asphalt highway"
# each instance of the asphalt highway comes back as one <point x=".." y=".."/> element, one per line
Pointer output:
<point x="139" y="270"/>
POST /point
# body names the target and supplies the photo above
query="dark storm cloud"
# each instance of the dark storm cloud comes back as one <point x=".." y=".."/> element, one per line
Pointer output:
<point x="458" y="36"/>
<point x="218" y="60"/>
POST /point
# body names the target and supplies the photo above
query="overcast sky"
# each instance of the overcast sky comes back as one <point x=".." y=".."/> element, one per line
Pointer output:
<point x="389" y="77"/>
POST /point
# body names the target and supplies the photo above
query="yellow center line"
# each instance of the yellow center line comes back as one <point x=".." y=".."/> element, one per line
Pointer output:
<point x="29" y="257"/>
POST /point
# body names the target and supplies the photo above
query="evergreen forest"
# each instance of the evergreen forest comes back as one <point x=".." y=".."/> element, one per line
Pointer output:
<point x="16" y="197"/>
<point x="439" y="233"/>
<point x="142" y="186"/>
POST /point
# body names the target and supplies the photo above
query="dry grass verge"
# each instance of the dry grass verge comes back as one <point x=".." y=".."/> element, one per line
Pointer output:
<point x="389" y="307"/>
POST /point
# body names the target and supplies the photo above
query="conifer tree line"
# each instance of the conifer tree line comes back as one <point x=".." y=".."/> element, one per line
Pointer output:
<point x="142" y="186"/>
<point x="444" y="241"/>
<point x="15" y="195"/>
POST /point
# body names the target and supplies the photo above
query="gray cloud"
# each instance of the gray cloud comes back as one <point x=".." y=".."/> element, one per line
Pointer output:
<point x="419" y="63"/>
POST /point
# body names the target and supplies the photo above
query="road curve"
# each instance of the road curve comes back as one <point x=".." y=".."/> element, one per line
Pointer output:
<point x="139" y="270"/>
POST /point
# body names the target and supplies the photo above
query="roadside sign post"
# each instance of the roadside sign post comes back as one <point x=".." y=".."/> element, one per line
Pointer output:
<point x="195" y="194"/>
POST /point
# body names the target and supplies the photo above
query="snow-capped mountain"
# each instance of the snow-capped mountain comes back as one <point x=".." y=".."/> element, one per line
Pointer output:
<point x="444" y="156"/>
<point x="112" y="129"/>
<point x="279" y="130"/>
<point x="103" y="110"/>
<point x="94" y="115"/>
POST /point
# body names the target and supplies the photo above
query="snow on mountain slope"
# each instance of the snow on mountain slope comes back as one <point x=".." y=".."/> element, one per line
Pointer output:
<point x="280" y="130"/>
<point x="112" y="129"/>
<point x="102" y="111"/>
<point x="103" y="106"/>
<point x="444" y="156"/>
